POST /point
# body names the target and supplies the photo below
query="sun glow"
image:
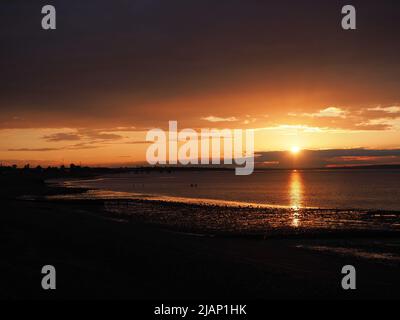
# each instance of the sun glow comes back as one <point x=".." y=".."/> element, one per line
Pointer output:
<point x="295" y="150"/>
<point x="296" y="197"/>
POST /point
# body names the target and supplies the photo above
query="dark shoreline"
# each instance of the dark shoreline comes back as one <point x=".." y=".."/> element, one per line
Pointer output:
<point x="103" y="256"/>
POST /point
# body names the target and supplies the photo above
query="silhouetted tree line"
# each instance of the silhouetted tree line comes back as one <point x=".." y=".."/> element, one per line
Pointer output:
<point x="56" y="172"/>
<point x="74" y="170"/>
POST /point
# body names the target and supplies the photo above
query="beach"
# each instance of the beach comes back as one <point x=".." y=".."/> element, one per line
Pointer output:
<point x="101" y="254"/>
<point x="206" y="151"/>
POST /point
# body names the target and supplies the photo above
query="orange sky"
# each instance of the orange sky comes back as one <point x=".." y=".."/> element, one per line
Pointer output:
<point x="88" y="91"/>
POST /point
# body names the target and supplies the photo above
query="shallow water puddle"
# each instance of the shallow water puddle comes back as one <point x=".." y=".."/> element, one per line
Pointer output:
<point x="354" y="252"/>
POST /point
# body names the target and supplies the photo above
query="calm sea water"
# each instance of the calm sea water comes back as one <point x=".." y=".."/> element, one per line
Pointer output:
<point x="343" y="189"/>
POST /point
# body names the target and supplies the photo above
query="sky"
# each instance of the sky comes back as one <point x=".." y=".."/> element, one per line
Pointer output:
<point x="112" y="70"/>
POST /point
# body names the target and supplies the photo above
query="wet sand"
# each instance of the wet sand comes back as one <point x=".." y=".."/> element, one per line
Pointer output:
<point x="98" y="254"/>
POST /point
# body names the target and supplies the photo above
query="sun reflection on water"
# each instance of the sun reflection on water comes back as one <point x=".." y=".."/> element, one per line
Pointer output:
<point x="296" y="196"/>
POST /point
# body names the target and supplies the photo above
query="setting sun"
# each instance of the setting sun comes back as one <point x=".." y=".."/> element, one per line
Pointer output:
<point x="295" y="150"/>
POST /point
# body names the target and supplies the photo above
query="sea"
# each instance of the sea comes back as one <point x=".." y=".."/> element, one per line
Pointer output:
<point x="370" y="189"/>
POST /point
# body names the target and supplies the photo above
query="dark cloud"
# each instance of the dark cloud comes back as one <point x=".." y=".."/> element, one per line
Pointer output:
<point x="79" y="146"/>
<point x="327" y="158"/>
<point x="89" y="135"/>
<point x="126" y="63"/>
<point x="56" y="137"/>
<point x="33" y="149"/>
<point x="98" y="135"/>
